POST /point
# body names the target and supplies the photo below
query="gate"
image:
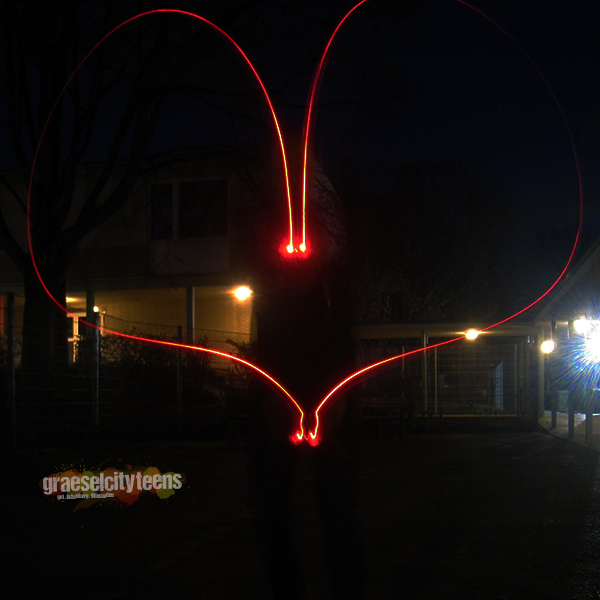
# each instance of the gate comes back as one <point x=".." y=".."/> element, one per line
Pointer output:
<point x="493" y="377"/>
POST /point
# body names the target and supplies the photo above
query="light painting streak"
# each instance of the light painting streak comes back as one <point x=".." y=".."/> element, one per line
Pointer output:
<point x="357" y="377"/>
<point x="299" y="434"/>
<point x="290" y="244"/>
<point x="309" y="117"/>
<point x="313" y="437"/>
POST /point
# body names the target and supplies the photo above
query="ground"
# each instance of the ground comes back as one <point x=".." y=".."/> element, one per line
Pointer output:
<point x="470" y="516"/>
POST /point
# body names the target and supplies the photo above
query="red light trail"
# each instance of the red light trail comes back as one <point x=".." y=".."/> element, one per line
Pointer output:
<point x="296" y="244"/>
<point x="299" y="434"/>
<point x="370" y="370"/>
<point x="309" y="114"/>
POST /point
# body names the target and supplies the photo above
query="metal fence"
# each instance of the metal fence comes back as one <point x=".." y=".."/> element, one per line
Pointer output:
<point x="105" y="386"/>
<point x="464" y="381"/>
<point x="109" y="386"/>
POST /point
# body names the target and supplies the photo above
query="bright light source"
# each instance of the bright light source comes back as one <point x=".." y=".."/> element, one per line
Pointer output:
<point x="472" y="334"/>
<point x="592" y="345"/>
<point x="587" y="348"/>
<point x="96" y="309"/>
<point x="582" y="325"/>
<point x="547" y="346"/>
<point x="242" y="293"/>
<point x="294" y="251"/>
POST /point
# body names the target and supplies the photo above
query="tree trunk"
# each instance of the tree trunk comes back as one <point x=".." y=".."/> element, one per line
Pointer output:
<point x="46" y="329"/>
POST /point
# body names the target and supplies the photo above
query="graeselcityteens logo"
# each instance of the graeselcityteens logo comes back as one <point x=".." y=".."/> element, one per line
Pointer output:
<point x="110" y="485"/>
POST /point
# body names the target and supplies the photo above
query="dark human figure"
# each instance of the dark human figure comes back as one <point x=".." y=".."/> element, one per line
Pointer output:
<point x="305" y="341"/>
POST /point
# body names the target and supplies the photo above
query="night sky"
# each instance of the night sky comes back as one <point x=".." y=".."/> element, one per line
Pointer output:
<point x="467" y="91"/>
<point x="474" y="96"/>
<point x="477" y="97"/>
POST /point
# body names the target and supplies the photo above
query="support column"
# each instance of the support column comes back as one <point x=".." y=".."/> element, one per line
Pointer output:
<point x="541" y="377"/>
<point x="190" y="304"/>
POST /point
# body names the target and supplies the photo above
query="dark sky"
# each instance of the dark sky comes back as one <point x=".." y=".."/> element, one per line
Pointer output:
<point x="461" y="90"/>
<point x="467" y="92"/>
<point x="476" y="96"/>
<point x="473" y="95"/>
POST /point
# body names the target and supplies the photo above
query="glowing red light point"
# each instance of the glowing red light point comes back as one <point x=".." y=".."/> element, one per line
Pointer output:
<point x="294" y="250"/>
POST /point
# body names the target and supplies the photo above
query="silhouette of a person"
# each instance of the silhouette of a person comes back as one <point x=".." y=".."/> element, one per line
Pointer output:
<point x="305" y="341"/>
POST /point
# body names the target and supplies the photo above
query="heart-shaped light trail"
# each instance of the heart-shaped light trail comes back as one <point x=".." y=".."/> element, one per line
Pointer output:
<point x="296" y="243"/>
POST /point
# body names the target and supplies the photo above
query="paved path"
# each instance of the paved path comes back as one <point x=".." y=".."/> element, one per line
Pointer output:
<point x="475" y="516"/>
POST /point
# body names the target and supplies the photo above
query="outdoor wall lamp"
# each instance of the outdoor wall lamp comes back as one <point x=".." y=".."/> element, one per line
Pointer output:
<point x="242" y="293"/>
<point x="547" y="346"/>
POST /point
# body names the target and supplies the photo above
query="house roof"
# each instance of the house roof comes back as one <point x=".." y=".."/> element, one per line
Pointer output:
<point x="439" y="330"/>
<point x="578" y="287"/>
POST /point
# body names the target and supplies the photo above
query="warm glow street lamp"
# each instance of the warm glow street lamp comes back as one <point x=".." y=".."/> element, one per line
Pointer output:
<point x="547" y="346"/>
<point x="242" y="293"/>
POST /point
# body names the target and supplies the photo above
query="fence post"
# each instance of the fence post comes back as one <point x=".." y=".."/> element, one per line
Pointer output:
<point x="554" y="409"/>
<point x="521" y="350"/>
<point x="93" y="335"/>
<point x="425" y="374"/>
<point x="435" y="380"/>
<point x="10" y="365"/>
<point x="179" y="380"/>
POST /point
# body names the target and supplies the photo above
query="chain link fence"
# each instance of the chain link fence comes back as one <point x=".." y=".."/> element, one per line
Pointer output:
<point x="104" y="386"/>
<point x="464" y="383"/>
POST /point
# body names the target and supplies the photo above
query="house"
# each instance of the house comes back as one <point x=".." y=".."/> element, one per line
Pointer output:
<point x="575" y="297"/>
<point x="170" y="261"/>
<point x="167" y="259"/>
<point x="570" y="318"/>
<point x="174" y="263"/>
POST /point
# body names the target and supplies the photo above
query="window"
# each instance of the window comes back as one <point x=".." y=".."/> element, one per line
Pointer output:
<point x="203" y="209"/>
<point x="192" y="209"/>
<point x="161" y="220"/>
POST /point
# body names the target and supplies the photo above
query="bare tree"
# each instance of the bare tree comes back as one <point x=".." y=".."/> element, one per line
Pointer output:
<point x="112" y="104"/>
<point x="432" y="245"/>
